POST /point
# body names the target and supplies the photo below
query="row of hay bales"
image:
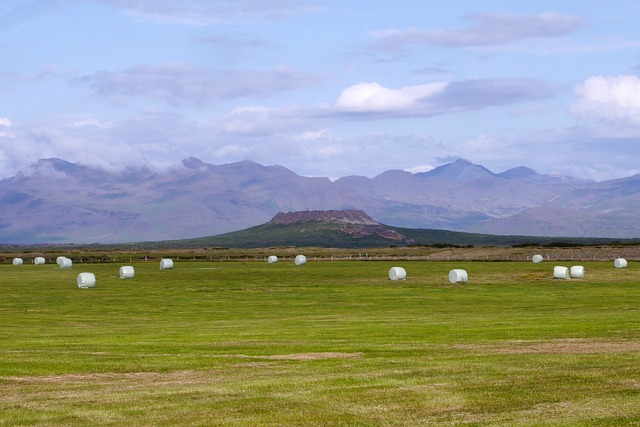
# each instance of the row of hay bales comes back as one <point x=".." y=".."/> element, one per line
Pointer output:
<point x="617" y="263"/>
<point x="88" y="280"/>
<point x="562" y="272"/>
<point x="457" y="275"/>
<point x="37" y="261"/>
<point x="63" y="262"/>
<point x="576" y="271"/>
<point x="299" y="260"/>
<point x="395" y="273"/>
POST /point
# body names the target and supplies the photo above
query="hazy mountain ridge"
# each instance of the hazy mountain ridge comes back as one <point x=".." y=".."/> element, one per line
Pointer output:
<point x="58" y="201"/>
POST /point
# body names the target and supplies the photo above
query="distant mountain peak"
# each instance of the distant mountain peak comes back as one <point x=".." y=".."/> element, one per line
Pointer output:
<point x="193" y="163"/>
<point x="330" y="216"/>
<point x="460" y="170"/>
<point x="519" y="172"/>
<point x="52" y="167"/>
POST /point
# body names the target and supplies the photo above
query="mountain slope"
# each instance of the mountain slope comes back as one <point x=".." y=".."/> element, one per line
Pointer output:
<point x="454" y="196"/>
<point x="459" y="171"/>
<point x="83" y="205"/>
<point x="60" y="202"/>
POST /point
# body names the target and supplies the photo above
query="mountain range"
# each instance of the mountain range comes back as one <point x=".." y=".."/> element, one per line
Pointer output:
<point x="55" y="201"/>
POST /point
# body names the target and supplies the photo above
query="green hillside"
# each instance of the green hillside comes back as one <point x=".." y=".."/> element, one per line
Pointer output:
<point x="323" y="234"/>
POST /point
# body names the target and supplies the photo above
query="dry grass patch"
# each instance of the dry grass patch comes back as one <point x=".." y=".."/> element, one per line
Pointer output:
<point x="312" y="356"/>
<point x="135" y="379"/>
<point x="560" y="346"/>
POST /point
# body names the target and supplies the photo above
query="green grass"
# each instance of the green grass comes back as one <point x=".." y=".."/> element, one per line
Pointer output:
<point x="327" y="343"/>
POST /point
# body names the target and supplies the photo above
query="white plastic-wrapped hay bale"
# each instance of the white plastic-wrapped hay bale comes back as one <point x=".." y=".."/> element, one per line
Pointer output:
<point x="65" y="263"/>
<point x="397" y="273"/>
<point x="166" y="264"/>
<point x="537" y="258"/>
<point x="59" y="260"/>
<point x="272" y="259"/>
<point x="39" y="260"/>
<point x="86" y="280"/>
<point x="17" y="261"/>
<point x="127" y="272"/>
<point x="458" y="275"/>
<point x="577" y="272"/>
<point x="560" y="272"/>
<point x="620" y="263"/>
<point x="300" y="260"/>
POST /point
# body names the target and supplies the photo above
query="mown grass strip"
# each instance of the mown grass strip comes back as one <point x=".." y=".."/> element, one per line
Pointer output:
<point x="328" y="343"/>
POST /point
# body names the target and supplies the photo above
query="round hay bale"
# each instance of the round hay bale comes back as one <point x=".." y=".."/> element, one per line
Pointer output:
<point x="537" y="258"/>
<point x="17" y="261"/>
<point x="458" y="275"/>
<point x="39" y="260"/>
<point x="166" y="264"/>
<point x="127" y="272"/>
<point x="397" y="273"/>
<point x="59" y="260"/>
<point x="577" y="272"/>
<point x="560" y="272"/>
<point x="620" y="263"/>
<point x="86" y="280"/>
<point x="65" y="263"/>
<point x="272" y="259"/>
<point x="300" y="260"/>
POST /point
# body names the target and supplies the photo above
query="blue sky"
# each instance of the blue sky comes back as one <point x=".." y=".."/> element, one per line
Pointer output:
<point x="324" y="88"/>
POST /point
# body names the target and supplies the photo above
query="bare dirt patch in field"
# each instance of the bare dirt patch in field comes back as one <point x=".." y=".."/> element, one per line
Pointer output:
<point x="311" y="356"/>
<point x="178" y="377"/>
<point x="564" y="346"/>
<point x="149" y="377"/>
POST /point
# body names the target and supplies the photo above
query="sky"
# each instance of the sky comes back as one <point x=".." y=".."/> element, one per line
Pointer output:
<point x="322" y="87"/>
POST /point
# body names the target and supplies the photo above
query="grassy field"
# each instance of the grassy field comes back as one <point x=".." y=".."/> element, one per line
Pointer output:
<point x="328" y="343"/>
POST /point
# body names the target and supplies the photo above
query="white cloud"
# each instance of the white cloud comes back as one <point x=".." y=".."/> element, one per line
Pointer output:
<point x="91" y="123"/>
<point x="5" y="122"/>
<point x="373" y="97"/>
<point x="371" y="100"/>
<point x="322" y="144"/>
<point x="246" y="120"/>
<point x="608" y="99"/>
<point x="314" y="134"/>
<point x="231" y="151"/>
<point x="179" y="84"/>
<point x="479" y="143"/>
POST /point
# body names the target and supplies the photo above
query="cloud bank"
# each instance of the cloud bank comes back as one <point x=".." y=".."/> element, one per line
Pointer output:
<point x="182" y="84"/>
<point x="325" y="88"/>
<point x="488" y="29"/>
<point x="613" y="99"/>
